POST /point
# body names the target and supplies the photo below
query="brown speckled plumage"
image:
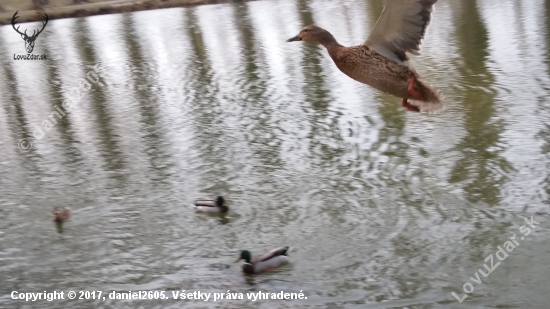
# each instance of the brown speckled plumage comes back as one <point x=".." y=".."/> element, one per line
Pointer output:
<point x="382" y="63"/>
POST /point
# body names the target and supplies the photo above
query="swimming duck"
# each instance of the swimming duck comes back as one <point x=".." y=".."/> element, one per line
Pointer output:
<point x="381" y="61"/>
<point x="61" y="214"/>
<point x="264" y="262"/>
<point x="217" y="205"/>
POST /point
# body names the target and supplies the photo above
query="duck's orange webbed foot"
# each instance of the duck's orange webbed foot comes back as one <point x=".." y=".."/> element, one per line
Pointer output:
<point x="410" y="107"/>
<point x="413" y="92"/>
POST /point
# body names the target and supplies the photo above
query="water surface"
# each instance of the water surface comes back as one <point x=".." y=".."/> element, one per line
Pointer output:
<point x="383" y="208"/>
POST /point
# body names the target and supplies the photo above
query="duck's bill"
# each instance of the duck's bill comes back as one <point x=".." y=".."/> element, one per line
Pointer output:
<point x="295" y="38"/>
<point x="237" y="260"/>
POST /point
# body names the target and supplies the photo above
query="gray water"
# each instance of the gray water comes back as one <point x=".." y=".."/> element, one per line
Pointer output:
<point x="383" y="208"/>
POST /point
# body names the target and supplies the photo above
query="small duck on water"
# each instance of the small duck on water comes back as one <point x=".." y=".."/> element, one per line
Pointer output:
<point x="217" y="205"/>
<point x="60" y="214"/>
<point x="382" y="61"/>
<point x="263" y="262"/>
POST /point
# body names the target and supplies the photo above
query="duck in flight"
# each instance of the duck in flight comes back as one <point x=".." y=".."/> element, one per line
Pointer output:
<point x="382" y="61"/>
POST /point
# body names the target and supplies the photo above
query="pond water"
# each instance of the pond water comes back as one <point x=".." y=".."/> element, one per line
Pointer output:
<point x="383" y="208"/>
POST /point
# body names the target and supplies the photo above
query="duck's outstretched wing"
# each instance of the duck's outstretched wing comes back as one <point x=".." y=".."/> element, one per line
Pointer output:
<point x="271" y="254"/>
<point x="400" y="28"/>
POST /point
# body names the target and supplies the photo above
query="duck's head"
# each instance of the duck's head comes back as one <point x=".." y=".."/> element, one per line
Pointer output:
<point x="220" y="201"/>
<point x="245" y="255"/>
<point x="57" y="214"/>
<point x="57" y="211"/>
<point x="313" y="34"/>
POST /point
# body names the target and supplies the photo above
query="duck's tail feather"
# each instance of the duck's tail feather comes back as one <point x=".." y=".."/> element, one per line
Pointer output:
<point x="433" y="102"/>
<point x="285" y="250"/>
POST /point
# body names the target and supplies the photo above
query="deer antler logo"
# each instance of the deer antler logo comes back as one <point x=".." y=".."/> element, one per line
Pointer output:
<point x="29" y="40"/>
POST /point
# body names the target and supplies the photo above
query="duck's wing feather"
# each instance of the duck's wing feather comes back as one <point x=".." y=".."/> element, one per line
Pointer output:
<point x="273" y="262"/>
<point x="400" y="28"/>
<point x="271" y="254"/>
<point x="207" y="203"/>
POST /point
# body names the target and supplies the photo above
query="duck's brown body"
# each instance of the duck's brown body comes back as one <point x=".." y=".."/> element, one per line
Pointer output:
<point x="369" y="67"/>
<point x="60" y="214"/>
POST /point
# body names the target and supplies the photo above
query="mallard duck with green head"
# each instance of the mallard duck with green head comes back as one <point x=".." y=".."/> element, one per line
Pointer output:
<point x="217" y="205"/>
<point x="382" y="61"/>
<point x="263" y="262"/>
